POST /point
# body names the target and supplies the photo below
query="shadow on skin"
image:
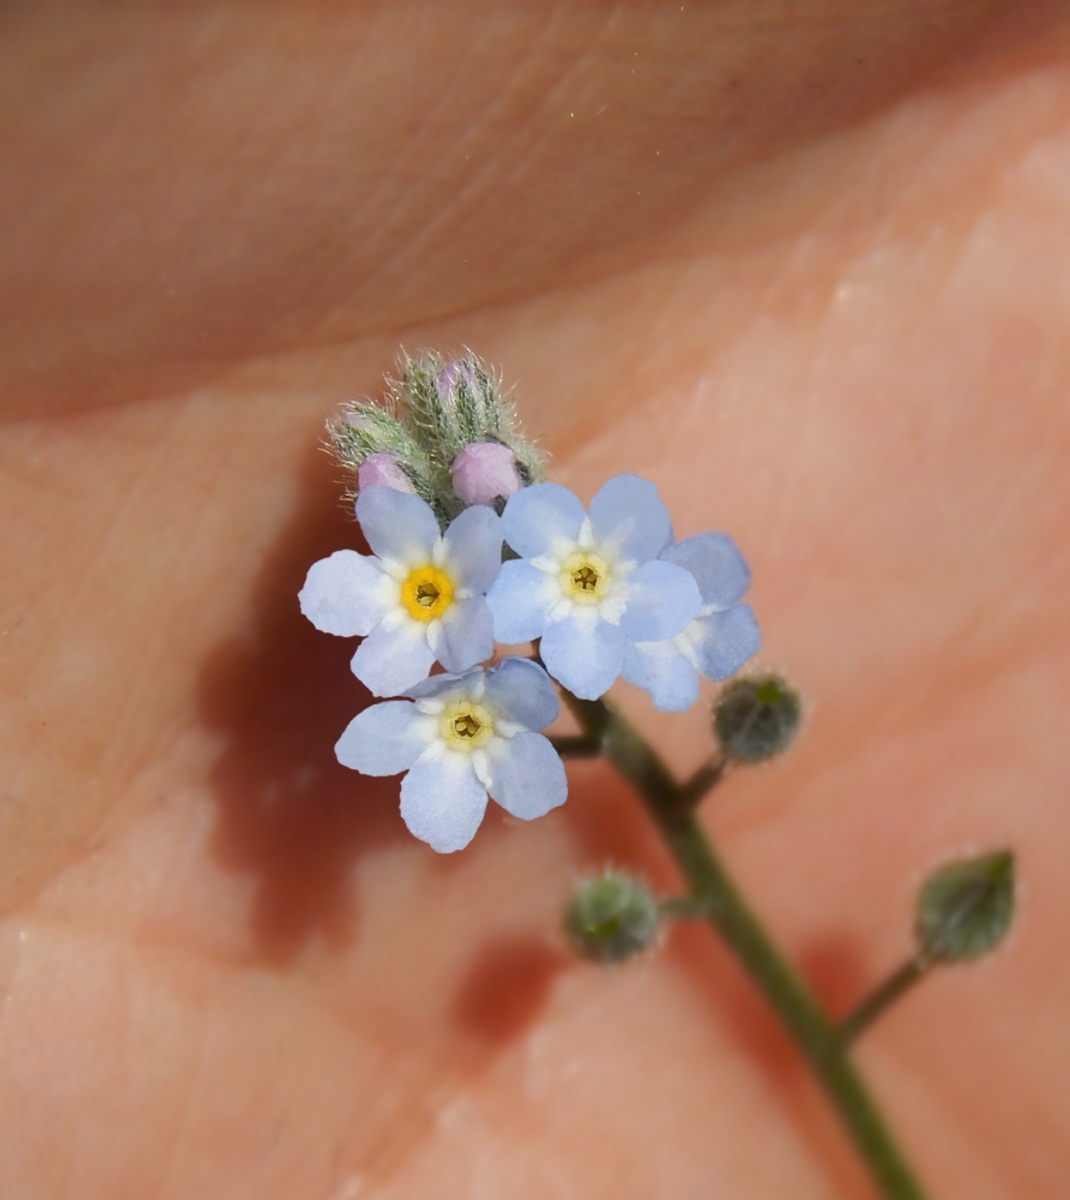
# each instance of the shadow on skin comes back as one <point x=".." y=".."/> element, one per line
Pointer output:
<point x="835" y="969"/>
<point x="281" y="693"/>
<point x="507" y="987"/>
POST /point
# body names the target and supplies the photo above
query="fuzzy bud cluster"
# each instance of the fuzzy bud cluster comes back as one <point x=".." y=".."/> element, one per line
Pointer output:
<point x="443" y="433"/>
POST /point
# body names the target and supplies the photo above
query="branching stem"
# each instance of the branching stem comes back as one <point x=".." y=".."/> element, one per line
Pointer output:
<point x="715" y="894"/>
<point x="882" y="998"/>
<point x="703" y="781"/>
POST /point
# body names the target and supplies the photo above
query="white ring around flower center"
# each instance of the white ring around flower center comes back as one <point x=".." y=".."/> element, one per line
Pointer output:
<point x="466" y="725"/>
<point x="585" y="577"/>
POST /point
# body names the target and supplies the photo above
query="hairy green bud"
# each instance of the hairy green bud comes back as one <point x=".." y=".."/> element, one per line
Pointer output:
<point x="756" y="717"/>
<point x="611" y="919"/>
<point x="966" y="907"/>
<point x="432" y="414"/>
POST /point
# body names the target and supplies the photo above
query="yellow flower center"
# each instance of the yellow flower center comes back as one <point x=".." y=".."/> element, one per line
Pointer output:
<point x="426" y="593"/>
<point x="466" y="725"/>
<point x="585" y="577"/>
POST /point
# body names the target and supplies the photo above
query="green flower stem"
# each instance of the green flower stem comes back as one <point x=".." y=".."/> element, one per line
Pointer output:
<point x="713" y="890"/>
<point x="703" y="781"/>
<point x="883" y="997"/>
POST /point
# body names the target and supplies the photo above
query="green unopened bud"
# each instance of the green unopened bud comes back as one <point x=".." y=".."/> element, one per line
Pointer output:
<point x="611" y="919"/>
<point x="966" y="907"/>
<point x="756" y="717"/>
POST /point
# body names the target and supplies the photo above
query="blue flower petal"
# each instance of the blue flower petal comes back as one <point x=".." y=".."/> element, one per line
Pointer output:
<point x="442" y="801"/>
<point x="627" y="510"/>
<point x="347" y="594"/>
<point x="520" y="690"/>
<point x="474" y="549"/>
<point x="583" y="652"/>
<point x="527" y="778"/>
<point x="662" y="599"/>
<point x="541" y="517"/>
<point x="399" y="528"/>
<point x="723" y="641"/>
<point x="385" y="739"/>
<point x="521" y="600"/>
<point x="439" y="687"/>
<point x="660" y="669"/>
<point x="715" y="561"/>
<point x="464" y="636"/>
<point x="393" y="659"/>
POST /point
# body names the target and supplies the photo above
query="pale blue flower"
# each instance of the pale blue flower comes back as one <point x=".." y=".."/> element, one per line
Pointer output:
<point x="716" y="643"/>
<point x="460" y="738"/>
<point x="419" y="597"/>
<point x="590" y="583"/>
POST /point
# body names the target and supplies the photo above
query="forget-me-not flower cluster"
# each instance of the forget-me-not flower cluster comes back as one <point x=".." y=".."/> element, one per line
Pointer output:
<point x="605" y="592"/>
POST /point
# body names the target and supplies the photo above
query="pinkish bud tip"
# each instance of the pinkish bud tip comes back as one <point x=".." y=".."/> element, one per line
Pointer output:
<point x="383" y="470"/>
<point x="450" y="375"/>
<point x="483" y="471"/>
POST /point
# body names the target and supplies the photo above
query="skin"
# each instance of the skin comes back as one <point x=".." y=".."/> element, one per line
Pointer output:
<point x="808" y="274"/>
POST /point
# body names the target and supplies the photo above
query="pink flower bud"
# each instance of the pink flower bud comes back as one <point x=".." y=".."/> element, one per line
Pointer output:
<point x="483" y="471"/>
<point x="383" y="469"/>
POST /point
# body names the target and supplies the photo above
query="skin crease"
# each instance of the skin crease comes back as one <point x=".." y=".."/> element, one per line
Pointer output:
<point x="832" y="322"/>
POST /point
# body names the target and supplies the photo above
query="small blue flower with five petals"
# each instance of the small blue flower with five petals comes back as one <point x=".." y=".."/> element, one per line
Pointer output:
<point x="419" y="597"/>
<point x="460" y="738"/>
<point x="716" y="643"/>
<point x="588" y="584"/>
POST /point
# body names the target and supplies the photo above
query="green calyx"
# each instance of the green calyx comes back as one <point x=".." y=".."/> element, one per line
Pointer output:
<point x="611" y="919"/>
<point x="966" y="907"/>
<point x="756" y="718"/>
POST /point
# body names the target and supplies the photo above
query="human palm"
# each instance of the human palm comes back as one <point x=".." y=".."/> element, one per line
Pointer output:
<point x="806" y="273"/>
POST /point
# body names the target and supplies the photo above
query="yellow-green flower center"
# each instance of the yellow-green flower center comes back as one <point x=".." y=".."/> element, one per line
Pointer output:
<point x="466" y="725"/>
<point x="585" y="577"/>
<point x="426" y="593"/>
